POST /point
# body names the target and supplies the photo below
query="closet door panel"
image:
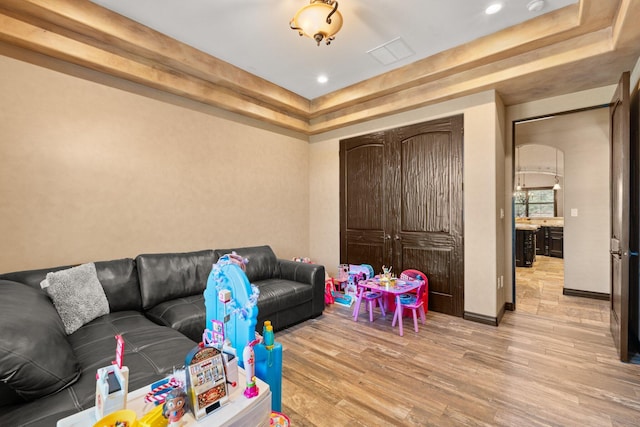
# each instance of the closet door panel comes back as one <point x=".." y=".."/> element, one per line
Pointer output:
<point x="437" y="265"/>
<point x="424" y="159"/>
<point x="430" y="208"/>
<point x="363" y="201"/>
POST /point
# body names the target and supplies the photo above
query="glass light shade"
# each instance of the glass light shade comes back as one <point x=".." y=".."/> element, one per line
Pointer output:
<point x="311" y="21"/>
<point x="556" y="186"/>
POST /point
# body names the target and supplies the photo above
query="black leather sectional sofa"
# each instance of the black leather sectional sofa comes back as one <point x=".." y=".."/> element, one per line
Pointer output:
<point x="155" y="302"/>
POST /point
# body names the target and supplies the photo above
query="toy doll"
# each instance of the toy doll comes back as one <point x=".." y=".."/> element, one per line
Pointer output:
<point x="174" y="406"/>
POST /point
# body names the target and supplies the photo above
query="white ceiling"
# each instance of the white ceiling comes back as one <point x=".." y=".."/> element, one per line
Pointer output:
<point x="539" y="159"/>
<point x="254" y="34"/>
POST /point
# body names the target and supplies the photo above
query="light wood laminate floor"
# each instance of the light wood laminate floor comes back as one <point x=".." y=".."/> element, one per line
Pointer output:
<point x="532" y="370"/>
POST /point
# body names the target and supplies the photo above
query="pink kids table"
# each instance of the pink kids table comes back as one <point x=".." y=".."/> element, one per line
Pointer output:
<point x="401" y="287"/>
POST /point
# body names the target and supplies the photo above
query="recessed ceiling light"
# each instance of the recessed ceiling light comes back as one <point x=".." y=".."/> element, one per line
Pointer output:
<point x="494" y="8"/>
<point x="535" y="5"/>
<point x="322" y="79"/>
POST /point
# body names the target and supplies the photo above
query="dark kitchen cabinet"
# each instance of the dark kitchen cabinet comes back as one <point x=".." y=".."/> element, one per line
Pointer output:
<point x="555" y="239"/>
<point x="525" y="248"/>
<point x="541" y="240"/>
<point x="549" y="241"/>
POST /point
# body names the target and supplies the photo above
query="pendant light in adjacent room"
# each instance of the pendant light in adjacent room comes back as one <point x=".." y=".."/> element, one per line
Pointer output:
<point x="556" y="186"/>
<point x="518" y="187"/>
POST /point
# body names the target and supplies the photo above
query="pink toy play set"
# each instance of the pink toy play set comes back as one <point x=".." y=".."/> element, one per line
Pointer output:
<point x="345" y="285"/>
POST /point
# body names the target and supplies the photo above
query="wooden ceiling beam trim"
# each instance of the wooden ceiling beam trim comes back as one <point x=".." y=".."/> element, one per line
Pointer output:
<point x="532" y="65"/>
<point x="554" y="46"/>
<point x="597" y="12"/>
<point x="111" y="31"/>
<point x="626" y="26"/>
<point x="554" y="27"/>
<point x="36" y="39"/>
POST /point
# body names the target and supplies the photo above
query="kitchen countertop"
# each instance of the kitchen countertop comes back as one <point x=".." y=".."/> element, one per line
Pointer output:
<point x="532" y="227"/>
<point x="541" y="222"/>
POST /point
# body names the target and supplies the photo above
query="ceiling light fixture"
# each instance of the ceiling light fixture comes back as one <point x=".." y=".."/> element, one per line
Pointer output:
<point x="518" y="187"/>
<point x="494" y="8"/>
<point x="319" y="20"/>
<point x="535" y="5"/>
<point x="556" y="186"/>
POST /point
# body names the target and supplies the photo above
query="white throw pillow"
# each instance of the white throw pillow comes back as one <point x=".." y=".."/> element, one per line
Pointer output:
<point x="77" y="295"/>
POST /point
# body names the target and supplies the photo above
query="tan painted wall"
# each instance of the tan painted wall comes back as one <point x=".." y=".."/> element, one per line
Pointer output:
<point x="479" y="191"/>
<point x="88" y="173"/>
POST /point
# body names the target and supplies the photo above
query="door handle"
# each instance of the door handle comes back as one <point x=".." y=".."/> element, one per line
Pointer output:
<point x="625" y="253"/>
<point x="396" y="237"/>
<point x="387" y="237"/>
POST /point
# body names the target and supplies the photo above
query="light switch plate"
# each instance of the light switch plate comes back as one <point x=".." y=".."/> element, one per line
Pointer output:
<point x="574" y="212"/>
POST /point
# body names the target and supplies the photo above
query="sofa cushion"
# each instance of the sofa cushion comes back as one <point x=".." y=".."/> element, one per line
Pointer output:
<point x="35" y="357"/>
<point x="77" y="295"/>
<point x="151" y="352"/>
<point x="164" y="277"/>
<point x="262" y="261"/>
<point x="276" y="294"/>
<point x="186" y="315"/>
<point x="119" y="280"/>
<point x="32" y="278"/>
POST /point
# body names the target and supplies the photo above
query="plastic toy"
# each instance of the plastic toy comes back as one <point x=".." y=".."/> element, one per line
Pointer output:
<point x="268" y="361"/>
<point x="230" y="359"/>
<point x="348" y="276"/>
<point x="161" y="389"/>
<point x="238" y="313"/>
<point x="328" y="291"/>
<point x="112" y="384"/>
<point x="153" y="418"/>
<point x="267" y="334"/>
<point x="249" y="359"/>
<point x="121" y="418"/>
<point x="206" y="381"/>
<point x="214" y="337"/>
<point x="175" y="406"/>
<point x="278" y="419"/>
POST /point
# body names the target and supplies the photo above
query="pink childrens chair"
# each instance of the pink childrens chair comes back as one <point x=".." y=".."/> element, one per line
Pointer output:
<point x="414" y="275"/>
<point x="414" y="302"/>
<point x="370" y="299"/>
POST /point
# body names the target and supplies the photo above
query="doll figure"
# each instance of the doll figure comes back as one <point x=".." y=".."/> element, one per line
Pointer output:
<point x="174" y="406"/>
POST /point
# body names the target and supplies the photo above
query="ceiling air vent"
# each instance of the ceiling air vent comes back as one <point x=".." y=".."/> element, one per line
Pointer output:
<point x="391" y="51"/>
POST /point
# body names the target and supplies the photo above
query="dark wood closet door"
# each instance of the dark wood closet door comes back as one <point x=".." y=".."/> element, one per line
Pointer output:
<point x="364" y="202"/>
<point x="401" y="205"/>
<point x="427" y="230"/>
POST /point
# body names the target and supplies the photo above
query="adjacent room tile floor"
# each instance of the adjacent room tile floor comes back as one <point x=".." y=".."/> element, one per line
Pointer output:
<point x="539" y="291"/>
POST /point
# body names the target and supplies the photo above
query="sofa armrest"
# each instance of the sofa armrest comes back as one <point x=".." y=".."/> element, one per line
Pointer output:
<point x="311" y="274"/>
